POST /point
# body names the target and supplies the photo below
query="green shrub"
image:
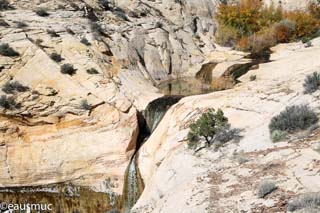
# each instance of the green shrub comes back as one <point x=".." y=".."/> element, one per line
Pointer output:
<point x="265" y="188"/>
<point x="85" y="41"/>
<point x="96" y="27"/>
<point x="305" y="201"/>
<point x="61" y="7"/>
<point x="211" y="127"/>
<point x="308" y="44"/>
<point x="21" y="24"/>
<point x="3" y="23"/>
<point x="6" y="50"/>
<point x="68" y="69"/>
<point x="56" y="57"/>
<point x="104" y="4"/>
<point x="297" y="117"/>
<point x="7" y="102"/>
<point x="41" y="12"/>
<point x="53" y="33"/>
<point x="13" y="87"/>
<point x="70" y="31"/>
<point x="253" y="77"/>
<point x="4" y="5"/>
<point x="85" y="105"/>
<point x="92" y="71"/>
<point x="278" y="135"/>
<point x="38" y="42"/>
<point x="312" y="83"/>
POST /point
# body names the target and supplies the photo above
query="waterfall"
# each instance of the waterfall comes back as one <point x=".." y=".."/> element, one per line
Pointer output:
<point x="148" y="121"/>
<point x="133" y="185"/>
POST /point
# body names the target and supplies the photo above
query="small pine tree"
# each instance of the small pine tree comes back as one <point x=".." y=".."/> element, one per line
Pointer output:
<point x="208" y="127"/>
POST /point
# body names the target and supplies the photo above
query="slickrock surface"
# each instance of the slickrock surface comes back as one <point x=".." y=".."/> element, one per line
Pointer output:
<point x="226" y="180"/>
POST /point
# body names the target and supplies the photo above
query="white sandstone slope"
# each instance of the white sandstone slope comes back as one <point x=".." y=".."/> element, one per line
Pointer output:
<point x="178" y="181"/>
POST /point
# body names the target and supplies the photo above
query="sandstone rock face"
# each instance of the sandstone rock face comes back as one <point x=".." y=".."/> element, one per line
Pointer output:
<point x="226" y="180"/>
<point x="79" y="128"/>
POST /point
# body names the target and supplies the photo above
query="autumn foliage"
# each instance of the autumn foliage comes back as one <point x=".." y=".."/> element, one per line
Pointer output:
<point x="251" y="26"/>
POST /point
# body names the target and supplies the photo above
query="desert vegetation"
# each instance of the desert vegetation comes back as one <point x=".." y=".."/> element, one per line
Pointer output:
<point x="96" y="28"/>
<point x="21" y="24"/>
<point x="251" y="26"/>
<point x="56" y="57"/>
<point x="4" y="5"/>
<point x="8" y="102"/>
<point x="6" y="50"/>
<point x="293" y="118"/>
<point x="85" y="105"/>
<point x="310" y="202"/>
<point x="312" y="83"/>
<point x="41" y="12"/>
<point x="92" y="71"/>
<point x="211" y="128"/>
<point x="53" y="33"/>
<point x="104" y="4"/>
<point x="68" y="69"/>
<point x="253" y="77"/>
<point x="12" y="87"/>
<point x="265" y="187"/>
<point x="3" y="23"/>
<point x="85" y="41"/>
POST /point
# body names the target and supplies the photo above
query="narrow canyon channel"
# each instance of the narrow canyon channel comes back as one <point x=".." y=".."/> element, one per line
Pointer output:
<point x="148" y="121"/>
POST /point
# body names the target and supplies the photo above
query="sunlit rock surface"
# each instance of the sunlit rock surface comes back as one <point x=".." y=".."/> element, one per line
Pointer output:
<point x="226" y="180"/>
<point x="83" y="128"/>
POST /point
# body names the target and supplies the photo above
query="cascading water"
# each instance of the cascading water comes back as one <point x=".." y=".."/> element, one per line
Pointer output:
<point x="133" y="185"/>
<point x="157" y="109"/>
<point x="150" y="119"/>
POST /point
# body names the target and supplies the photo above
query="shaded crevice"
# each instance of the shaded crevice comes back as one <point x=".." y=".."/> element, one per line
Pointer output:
<point x="238" y="70"/>
<point x="205" y="73"/>
<point x="148" y="120"/>
<point x="170" y="66"/>
<point x="157" y="109"/>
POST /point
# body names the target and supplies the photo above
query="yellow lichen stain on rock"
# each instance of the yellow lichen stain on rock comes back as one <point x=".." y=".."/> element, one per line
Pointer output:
<point x="116" y="67"/>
